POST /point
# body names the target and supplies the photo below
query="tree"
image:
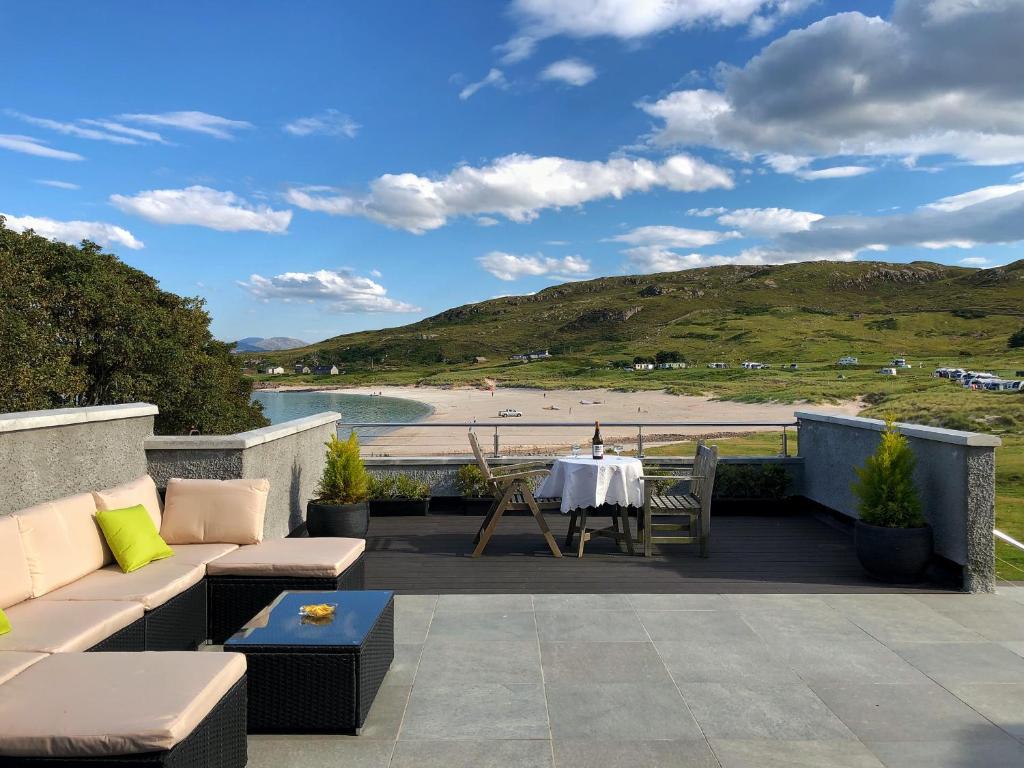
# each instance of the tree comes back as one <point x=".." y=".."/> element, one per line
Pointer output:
<point x="79" y="327"/>
<point x="885" y="484"/>
<point x="666" y="357"/>
<point x="1016" y="340"/>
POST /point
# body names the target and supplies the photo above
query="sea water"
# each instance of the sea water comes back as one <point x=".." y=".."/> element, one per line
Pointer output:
<point x="285" y="406"/>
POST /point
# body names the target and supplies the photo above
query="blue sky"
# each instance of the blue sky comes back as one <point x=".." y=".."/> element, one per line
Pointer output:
<point x="312" y="168"/>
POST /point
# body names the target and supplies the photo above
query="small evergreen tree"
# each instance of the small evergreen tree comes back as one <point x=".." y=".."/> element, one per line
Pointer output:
<point x="885" y="484"/>
<point x="345" y="479"/>
<point x="1016" y="341"/>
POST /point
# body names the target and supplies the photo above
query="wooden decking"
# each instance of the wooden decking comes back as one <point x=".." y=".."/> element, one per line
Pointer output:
<point x="800" y="553"/>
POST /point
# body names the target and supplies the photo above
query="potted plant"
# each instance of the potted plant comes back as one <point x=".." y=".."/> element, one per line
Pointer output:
<point x="473" y="487"/>
<point x="893" y="540"/>
<point x="340" y="508"/>
<point x="398" y="495"/>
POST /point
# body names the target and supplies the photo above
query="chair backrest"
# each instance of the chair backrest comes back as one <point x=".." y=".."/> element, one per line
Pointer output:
<point x="480" y="460"/>
<point x="705" y="462"/>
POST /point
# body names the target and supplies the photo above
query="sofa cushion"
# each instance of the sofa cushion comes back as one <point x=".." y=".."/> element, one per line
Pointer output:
<point x="15" y="578"/>
<point x="200" y="554"/>
<point x="52" y="626"/>
<point x="151" y="586"/>
<point x="205" y="511"/>
<point x="13" y="662"/>
<point x="150" y="702"/>
<point x="319" y="557"/>
<point x="62" y="541"/>
<point x="141" y="490"/>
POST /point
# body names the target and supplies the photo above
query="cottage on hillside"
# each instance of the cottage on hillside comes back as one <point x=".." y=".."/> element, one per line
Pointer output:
<point x="326" y="370"/>
<point x="273" y="370"/>
<point x="300" y="368"/>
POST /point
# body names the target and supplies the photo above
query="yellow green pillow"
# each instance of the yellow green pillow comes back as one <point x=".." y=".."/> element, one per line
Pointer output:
<point x="5" y="623"/>
<point x="132" y="537"/>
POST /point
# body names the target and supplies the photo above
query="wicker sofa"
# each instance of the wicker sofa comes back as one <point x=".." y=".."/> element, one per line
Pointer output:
<point x="64" y="595"/>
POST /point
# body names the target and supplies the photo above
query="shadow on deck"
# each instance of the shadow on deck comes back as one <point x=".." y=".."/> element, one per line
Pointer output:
<point x="800" y="553"/>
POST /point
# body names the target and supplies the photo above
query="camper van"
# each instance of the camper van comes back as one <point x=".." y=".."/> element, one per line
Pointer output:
<point x="887" y="371"/>
<point x="899" y="362"/>
<point x="717" y="365"/>
<point x="848" y="360"/>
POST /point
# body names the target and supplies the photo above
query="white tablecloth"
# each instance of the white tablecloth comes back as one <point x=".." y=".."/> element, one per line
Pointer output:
<point x="584" y="482"/>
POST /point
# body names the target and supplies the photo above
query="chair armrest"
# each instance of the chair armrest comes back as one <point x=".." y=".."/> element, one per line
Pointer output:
<point x="670" y="477"/>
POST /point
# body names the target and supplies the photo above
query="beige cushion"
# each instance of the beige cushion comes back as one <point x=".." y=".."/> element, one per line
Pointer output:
<point x="152" y="585"/>
<point x="206" y="511"/>
<point x="62" y="542"/>
<point x="141" y="490"/>
<point x="51" y="626"/>
<point x="13" y="662"/>
<point x="200" y="554"/>
<point x="94" y="704"/>
<point x="321" y="557"/>
<point x="15" y="579"/>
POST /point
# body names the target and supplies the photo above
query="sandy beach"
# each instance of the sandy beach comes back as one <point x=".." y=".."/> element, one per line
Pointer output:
<point x="559" y="406"/>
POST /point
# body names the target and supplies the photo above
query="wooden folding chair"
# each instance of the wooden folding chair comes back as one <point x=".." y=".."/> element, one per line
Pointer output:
<point x="694" y="505"/>
<point x="512" y="492"/>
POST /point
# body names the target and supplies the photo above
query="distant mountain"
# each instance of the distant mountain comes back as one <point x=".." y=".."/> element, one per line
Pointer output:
<point x="273" y="344"/>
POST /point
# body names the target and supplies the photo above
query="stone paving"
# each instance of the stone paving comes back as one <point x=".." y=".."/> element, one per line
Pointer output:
<point x="687" y="681"/>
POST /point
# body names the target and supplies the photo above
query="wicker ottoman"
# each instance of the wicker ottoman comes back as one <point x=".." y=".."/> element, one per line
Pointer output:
<point x="317" y="677"/>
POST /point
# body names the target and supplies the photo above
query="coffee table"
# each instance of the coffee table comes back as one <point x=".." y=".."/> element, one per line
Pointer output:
<point x="316" y="677"/>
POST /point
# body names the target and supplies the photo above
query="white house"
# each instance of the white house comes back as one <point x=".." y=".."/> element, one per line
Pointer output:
<point x="326" y="370"/>
<point x="643" y="366"/>
<point x="300" y="368"/>
<point x="273" y="370"/>
<point x="670" y="366"/>
<point x="717" y="365"/>
<point x="751" y="366"/>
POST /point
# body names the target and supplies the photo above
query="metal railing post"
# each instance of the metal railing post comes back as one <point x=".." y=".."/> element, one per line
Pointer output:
<point x="640" y="441"/>
<point x="785" y="443"/>
<point x="497" y="451"/>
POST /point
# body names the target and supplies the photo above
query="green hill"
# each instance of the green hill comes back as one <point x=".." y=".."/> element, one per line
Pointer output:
<point x="814" y="311"/>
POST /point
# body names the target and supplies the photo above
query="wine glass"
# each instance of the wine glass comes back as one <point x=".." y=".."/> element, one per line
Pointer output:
<point x="575" y="450"/>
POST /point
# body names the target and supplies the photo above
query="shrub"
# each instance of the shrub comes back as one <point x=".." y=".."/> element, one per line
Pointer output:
<point x="885" y="484"/>
<point x="746" y="481"/>
<point x="1016" y="340"/>
<point x="969" y="314"/>
<point x="471" y="482"/>
<point x="345" y="479"/>
<point x="398" y="487"/>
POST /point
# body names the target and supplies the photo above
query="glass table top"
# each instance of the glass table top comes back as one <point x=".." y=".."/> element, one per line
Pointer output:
<point x="280" y="623"/>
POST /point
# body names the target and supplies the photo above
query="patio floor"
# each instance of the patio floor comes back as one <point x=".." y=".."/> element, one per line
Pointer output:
<point x="733" y="680"/>
<point x="749" y="554"/>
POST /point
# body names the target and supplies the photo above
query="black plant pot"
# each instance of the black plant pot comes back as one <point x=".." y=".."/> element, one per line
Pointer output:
<point x="476" y="505"/>
<point x="387" y="507"/>
<point x="896" y="555"/>
<point x="348" y="520"/>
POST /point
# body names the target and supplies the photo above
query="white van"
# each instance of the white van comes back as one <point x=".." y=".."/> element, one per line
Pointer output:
<point x="888" y="371"/>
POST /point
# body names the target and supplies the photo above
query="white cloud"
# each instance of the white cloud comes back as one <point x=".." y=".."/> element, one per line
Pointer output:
<point x="706" y="212"/>
<point x="648" y="259"/>
<point x="331" y="122"/>
<point x="74" y="231"/>
<point x="31" y="146"/>
<point x="835" y="172"/>
<point x="71" y="129"/>
<point x="487" y="221"/>
<point x="974" y="261"/>
<point x="376" y="273"/>
<point x="635" y="19"/>
<point x="56" y="184"/>
<point x="509" y="266"/>
<point x="197" y="122"/>
<point x="961" y="201"/>
<point x="674" y="237"/>
<point x="766" y="221"/>
<point x="341" y="291"/>
<point x="495" y="78"/>
<point x="517" y="187"/>
<point x="136" y="133"/>
<point x="920" y="83"/>
<point x="203" y="207"/>
<point x="569" y="71"/>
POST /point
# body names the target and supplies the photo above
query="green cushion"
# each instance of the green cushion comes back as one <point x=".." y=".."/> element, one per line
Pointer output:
<point x="132" y="536"/>
<point x="5" y="623"/>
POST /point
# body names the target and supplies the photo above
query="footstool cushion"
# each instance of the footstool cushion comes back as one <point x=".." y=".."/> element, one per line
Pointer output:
<point x="13" y="662"/>
<point x="312" y="557"/>
<point x="103" y="704"/>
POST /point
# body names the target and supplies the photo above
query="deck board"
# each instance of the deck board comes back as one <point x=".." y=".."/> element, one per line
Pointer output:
<point x="800" y="553"/>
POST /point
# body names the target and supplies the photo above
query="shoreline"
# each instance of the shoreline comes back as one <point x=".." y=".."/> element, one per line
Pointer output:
<point x="470" y="405"/>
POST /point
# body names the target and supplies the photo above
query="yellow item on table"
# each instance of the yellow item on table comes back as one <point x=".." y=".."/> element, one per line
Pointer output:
<point x="320" y="613"/>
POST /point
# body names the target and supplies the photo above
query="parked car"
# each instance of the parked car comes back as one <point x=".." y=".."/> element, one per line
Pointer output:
<point x="507" y="412"/>
<point x="900" y="362"/>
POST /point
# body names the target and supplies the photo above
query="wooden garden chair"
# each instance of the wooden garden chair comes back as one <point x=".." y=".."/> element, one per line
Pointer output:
<point x="694" y="505"/>
<point x="511" y="489"/>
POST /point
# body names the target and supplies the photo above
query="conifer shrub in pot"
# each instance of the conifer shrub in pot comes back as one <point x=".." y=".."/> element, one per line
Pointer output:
<point x="893" y="540"/>
<point x="473" y="487"/>
<point x="340" y="508"/>
<point x="398" y="495"/>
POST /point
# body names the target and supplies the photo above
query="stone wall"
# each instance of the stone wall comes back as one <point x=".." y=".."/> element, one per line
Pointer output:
<point x="45" y="455"/>
<point x="290" y="455"/>
<point x="955" y="474"/>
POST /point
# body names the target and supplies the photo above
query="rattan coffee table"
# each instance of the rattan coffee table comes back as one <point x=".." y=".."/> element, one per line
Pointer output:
<point x="316" y="676"/>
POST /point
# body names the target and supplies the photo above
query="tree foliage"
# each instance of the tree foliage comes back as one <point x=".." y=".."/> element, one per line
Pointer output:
<point x="885" y="484"/>
<point x="78" y="327"/>
<point x="345" y="479"/>
<point x="1016" y="340"/>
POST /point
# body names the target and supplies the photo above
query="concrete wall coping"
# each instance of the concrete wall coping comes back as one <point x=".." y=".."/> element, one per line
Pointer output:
<point x="241" y="440"/>
<point x="458" y="461"/>
<point x="937" y="434"/>
<point x="58" y="417"/>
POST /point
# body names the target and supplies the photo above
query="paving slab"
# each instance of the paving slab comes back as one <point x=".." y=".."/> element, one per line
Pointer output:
<point x="581" y="602"/>
<point x="482" y="626"/>
<point x="483" y="604"/>
<point x="590" y="626"/>
<point x="859" y="660"/>
<point x="411" y="626"/>
<point x="406" y="661"/>
<point x="679" y="602"/>
<point x="900" y="619"/>
<point x="476" y="712"/>
<point x="952" y="664"/>
<point x="492" y="753"/>
<point x="633" y="754"/>
<point x="451" y="661"/>
<point x="1001" y="703"/>
<point x="617" y="711"/>
<point x="273" y="751"/>
<point x="736" y="662"/>
<point x="773" y="753"/>
<point x="602" y="663"/>
<point x="712" y="627"/>
<point x="1000" y="752"/>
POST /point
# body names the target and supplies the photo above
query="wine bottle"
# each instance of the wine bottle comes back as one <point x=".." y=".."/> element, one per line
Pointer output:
<point x="597" y="444"/>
